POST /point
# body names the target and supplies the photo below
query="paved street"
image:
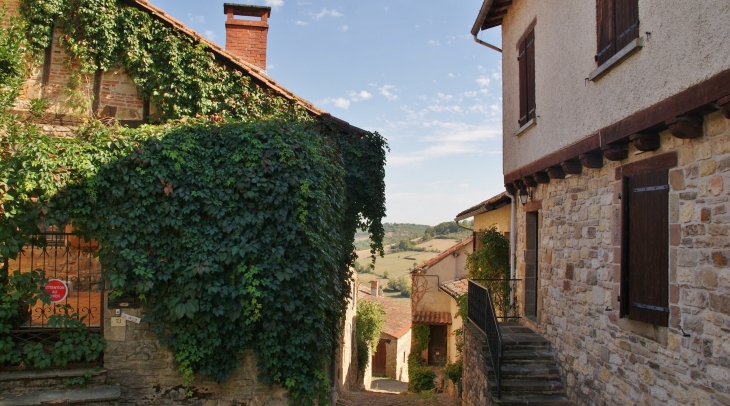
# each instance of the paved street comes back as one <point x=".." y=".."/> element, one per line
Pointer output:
<point x="368" y="398"/>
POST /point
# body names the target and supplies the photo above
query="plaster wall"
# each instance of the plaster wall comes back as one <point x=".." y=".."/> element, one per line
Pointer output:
<point x="452" y="340"/>
<point x="688" y="42"/>
<point x="396" y="365"/>
<point x="609" y="360"/>
<point x="499" y="218"/>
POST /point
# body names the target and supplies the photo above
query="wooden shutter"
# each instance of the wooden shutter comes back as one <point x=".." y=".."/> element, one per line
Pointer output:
<point x="522" y="58"/>
<point x="617" y="25"/>
<point x="626" y="25"/>
<point x="530" y="53"/>
<point x="647" y="239"/>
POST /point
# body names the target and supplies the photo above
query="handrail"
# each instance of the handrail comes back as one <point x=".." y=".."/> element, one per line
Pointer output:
<point x="481" y="312"/>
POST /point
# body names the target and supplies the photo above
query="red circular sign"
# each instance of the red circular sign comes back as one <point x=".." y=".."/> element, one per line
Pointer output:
<point x="57" y="289"/>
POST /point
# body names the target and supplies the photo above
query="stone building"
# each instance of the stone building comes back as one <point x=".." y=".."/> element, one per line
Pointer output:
<point x="616" y="135"/>
<point x="136" y="369"/>
<point x="391" y="356"/>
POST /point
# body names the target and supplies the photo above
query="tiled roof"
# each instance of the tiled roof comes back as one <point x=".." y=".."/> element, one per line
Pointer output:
<point x="429" y="262"/>
<point x="432" y="318"/>
<point x="455" y="288"/>
<point x="483" y="207"/>
<point x="397" y="313"/>
<point x="254" y="71"/>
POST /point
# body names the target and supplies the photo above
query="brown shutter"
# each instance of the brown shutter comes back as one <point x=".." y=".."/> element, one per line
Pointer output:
<point x="648" y="248"/>
<point x="522" y="58"/>
<point x="530" y="53"/>
<point x="626" y="17"/>
<point x="605" y="30"/>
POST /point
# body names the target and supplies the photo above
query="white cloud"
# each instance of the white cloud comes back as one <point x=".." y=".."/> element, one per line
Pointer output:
<point x="451" y="75"/>
<point x="304" y="3"/>
<point x="209" y="34"/>
<point x="274" y="3"/>
<point x="483" y="81"/>
<point x="386" y="91"/>
<point x="386" y="8"/>
<point x="196" y="18"/>
<point x="344" y="28"/>
<point x="299" y="22"/>
<point x="497" y="75"/>
<point x="470" y="94"/>
<point x="269" y="67"/>
<point x="363" y="95"/>
<point x="326" y="12"/>
<point x="433" y="42"/>
<point x="339" y="102"/>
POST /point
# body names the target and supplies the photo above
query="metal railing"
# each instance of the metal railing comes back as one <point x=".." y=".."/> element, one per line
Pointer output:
<point x="481" y="312"/>
<point x="70" y="259"/>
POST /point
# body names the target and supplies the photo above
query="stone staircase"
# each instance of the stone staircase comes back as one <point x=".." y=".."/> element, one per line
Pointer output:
<point x="529" y="373"/>
<point x="21" y="388"/>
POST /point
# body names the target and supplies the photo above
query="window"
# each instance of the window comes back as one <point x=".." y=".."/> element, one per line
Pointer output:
<point x="645" y="281"/>
<point x="618" y="26"/>
<point x="526" y="60"/>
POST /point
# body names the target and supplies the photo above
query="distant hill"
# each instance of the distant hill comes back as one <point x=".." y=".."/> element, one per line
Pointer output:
<point x="397" y="232"/>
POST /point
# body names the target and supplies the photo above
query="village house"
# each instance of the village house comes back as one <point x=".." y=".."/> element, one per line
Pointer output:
<point x="391" y="355"/>
<point x="136" y="369"/>
<point x="617" y="143"/>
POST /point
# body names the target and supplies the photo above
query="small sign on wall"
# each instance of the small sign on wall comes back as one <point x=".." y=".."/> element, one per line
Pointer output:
<point x="130" y="318"/>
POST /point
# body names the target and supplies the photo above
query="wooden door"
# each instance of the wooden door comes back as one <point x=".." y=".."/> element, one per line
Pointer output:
<point x="531" y="236"/>
<point x="437" y="345"/>
<point x="646" y="281"/>
<point x="380" y="359"/>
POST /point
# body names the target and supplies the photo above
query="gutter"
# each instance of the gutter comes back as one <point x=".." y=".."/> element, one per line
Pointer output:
<point x="512" y="250"/>
<point x="478" y="25"/>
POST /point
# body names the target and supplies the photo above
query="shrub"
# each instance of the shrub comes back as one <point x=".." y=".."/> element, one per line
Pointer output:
<point x="453" y="371"/>
<point x="402" y="284"/>
<point x="368" y="323"/>
<point x="420" y="377"/>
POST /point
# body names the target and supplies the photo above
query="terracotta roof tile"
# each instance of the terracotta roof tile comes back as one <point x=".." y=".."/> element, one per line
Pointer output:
<point x="455" y="288"/>
<point x="429" y="262"/>
<point x="432" y="318"/>
<point x="398" y="313"/>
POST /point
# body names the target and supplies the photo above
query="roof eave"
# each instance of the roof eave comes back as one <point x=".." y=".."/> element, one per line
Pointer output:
<point x="483" y="12"/>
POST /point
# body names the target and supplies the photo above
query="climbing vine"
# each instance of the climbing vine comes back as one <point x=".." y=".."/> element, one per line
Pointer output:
<point x="233" y="219"/>
<point x="369" y="323"/>
<point x="490" y="266"/>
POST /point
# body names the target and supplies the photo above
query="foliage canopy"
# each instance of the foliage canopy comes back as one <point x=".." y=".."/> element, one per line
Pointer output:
<point x="235" y="227"/>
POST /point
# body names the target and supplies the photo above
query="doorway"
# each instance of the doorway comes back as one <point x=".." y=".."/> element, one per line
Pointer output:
<point x="437" y="345"/>
<point x="379" y="359"/>
<point x="531" y="274"/>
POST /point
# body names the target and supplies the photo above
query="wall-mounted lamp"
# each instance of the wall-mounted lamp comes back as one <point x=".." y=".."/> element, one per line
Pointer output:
<point x="524" y="194"/>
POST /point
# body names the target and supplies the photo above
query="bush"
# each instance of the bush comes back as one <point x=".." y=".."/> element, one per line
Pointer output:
<point x="402" y="284"/>
<point x="453" y="371"/>
<point x="362" y="269"/>
<point x="368" y="324"/>
<point x="420" y="377"/>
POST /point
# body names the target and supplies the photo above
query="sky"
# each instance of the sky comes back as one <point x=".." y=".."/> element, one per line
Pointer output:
<point x="408" y="69"/>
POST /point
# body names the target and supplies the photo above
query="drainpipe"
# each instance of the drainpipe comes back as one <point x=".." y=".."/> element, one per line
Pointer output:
<point x="512" y="250"/>
<point x="486" y="44"/>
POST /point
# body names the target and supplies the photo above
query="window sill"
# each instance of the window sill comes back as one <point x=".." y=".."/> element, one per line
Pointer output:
<point x="526" y="127"/>
<point x="615" y="60"/>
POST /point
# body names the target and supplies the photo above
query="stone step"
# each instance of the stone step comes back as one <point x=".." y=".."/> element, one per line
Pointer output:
<point x="19" y="382"/>
<point x="102" y="396"/>
<point x="527" y="357"/>
<point x="533" y="387"/>
<point x="521" y="400"/>
<point x="530" y="372"/>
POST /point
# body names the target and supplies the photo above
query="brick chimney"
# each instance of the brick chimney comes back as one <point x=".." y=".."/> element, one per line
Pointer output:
<point x="374" y="288"/>
<point x="246" y="38"/>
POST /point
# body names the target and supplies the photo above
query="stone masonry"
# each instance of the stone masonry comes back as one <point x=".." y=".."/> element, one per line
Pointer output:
<point x="608" y="360"/>
<point x="474" y="374"/>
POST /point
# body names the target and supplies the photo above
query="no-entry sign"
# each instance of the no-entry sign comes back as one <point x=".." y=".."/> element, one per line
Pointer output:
<point x="57" y="289"/>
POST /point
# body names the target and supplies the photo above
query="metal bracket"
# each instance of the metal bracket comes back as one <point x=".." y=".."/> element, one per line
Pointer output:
<point x="650" y="307"/>
<point x="650" y="188"/>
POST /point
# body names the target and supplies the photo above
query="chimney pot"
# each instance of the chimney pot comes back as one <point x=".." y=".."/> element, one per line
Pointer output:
<point x="246" y="38"/>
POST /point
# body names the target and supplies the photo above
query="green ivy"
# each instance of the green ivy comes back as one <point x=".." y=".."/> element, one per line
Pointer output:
<point x="235" y="228"/>
<point x="370" y="319"/>
<point x="491" y="261"/>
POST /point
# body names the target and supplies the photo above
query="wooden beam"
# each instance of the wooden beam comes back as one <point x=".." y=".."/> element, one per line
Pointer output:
<point x="724" y="105"/>
<point x="647" y="141"/>
<point x="655" y="163"/>
<point x="572" y="167"/>
<point x="556" y="172"/>
<point x="591" y="160"/>
<point x="510" y="188"/>
<point x="617" y="152"/>
<point x="529" y="181"/>
<point x="541" y="177"/>
<point x="686" y="126"/>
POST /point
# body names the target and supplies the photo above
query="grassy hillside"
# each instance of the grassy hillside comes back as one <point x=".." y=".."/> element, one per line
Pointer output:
<point x="394" y="232"/>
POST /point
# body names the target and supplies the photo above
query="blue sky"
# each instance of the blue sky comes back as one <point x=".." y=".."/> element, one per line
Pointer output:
<point x="408" y="69"/>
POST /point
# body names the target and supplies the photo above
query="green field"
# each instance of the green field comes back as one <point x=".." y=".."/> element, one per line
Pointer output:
<point x="399" y="263"/>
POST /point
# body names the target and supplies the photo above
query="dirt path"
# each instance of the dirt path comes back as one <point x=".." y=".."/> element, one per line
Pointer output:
<point x="367" y="398"/>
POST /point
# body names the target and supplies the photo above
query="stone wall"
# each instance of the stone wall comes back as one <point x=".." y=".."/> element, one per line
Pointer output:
<point x="474" y="378"/>
<point x="606" y="359"/>
<point x="397" y="350"/>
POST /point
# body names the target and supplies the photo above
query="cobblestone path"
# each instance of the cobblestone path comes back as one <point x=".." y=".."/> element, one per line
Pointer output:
<point x="367" y="398"/>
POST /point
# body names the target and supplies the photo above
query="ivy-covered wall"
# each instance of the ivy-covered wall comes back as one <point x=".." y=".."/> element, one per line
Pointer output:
<point x="232" y="219"/>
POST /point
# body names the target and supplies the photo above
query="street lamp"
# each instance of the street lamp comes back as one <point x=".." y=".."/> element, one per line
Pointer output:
<point x="523" y="195"/>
